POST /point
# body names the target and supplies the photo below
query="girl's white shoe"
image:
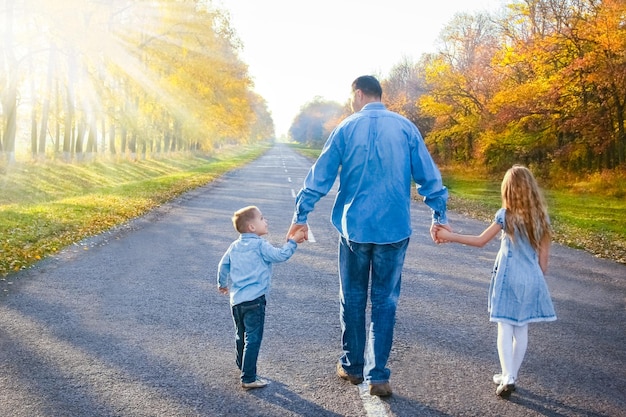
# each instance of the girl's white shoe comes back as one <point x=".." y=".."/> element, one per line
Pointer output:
<point x="505" y="388"/>
<point x="497" y="379"/>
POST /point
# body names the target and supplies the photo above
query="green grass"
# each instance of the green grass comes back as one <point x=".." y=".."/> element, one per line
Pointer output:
<point x="589" y="215"/>
<point x="305" y="150"/>
<point x="45" y="207"/>
<point x="592" y="222"/>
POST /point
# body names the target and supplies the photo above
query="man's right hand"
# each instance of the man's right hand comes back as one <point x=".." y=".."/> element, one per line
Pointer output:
<point x="295" y="228"/>
<point x="434" y="228"/>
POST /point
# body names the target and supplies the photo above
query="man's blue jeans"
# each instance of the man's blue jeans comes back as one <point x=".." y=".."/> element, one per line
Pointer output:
<point x="249" y="318"/>
<point x="357" y="263"/>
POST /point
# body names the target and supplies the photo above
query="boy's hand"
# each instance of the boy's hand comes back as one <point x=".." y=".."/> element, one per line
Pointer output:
<point x="298" y="236"/>
<point x="295" y="228"/>
<point x="223" y="290"/>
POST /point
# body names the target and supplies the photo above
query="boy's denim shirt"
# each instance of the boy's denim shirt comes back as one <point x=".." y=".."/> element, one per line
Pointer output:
<point x="248" y="264"/>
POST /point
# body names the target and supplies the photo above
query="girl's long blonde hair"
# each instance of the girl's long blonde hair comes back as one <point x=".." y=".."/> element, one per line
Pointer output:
<point x="526" y="211"/>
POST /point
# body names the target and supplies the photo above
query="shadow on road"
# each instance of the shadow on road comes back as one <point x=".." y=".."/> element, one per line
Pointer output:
<point x="281" y="396"/>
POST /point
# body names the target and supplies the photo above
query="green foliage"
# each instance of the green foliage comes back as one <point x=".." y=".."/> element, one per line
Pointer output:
<point x="307" y="150"/>
<point x="587" y="214"/>
<point x="591" y="221"/>
<point x="44" y="208"/>
<point x="515" y="145"/>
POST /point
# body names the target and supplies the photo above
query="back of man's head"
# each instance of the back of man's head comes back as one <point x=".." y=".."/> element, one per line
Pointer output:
<point x="369" y="85"/>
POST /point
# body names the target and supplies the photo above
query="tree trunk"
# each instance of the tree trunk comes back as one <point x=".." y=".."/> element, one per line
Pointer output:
<point x="57" y="133"/>
<point x="123" y="139"/>
<point x="33" y="130"/>
<point x="45" y="110"/>
<point x="103" y="142"/>
<point x="78" y="147"/>
<point x="620" y="140"/>
<point x="92" y="143"/>
<point x="132" y="145"/>
<point x="112" y="139"/>
<point x="9" y="93"/>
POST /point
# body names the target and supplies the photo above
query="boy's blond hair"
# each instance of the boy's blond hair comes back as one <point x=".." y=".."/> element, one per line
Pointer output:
<point x="243" y="217"/>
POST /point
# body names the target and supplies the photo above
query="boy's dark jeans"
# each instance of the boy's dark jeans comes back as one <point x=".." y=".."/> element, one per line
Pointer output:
<point x="249" y="318"/>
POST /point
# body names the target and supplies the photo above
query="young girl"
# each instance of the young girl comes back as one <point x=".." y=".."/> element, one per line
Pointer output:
<point x="518" y="293"/>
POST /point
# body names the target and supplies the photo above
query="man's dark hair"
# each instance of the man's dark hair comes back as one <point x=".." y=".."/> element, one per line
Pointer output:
<point x="369" y="85"/>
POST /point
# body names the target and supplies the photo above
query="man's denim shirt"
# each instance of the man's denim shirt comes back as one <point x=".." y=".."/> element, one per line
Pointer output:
<point x="379" y="152"/>
<point x="248" y="264"/>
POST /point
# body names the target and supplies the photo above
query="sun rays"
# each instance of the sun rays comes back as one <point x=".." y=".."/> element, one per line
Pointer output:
<point x="166" y="73"/>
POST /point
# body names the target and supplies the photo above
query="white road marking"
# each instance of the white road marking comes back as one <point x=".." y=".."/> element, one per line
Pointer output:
<point x="374" y="406"/>
<point x="311" y="237"/>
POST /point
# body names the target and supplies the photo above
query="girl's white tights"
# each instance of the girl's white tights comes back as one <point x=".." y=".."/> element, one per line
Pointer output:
<point x="512" y="343"/>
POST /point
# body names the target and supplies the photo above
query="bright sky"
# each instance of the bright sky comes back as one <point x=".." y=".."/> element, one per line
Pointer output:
<point x="297" y="50"/>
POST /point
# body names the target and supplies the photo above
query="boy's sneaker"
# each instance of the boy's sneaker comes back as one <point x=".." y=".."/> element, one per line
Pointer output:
<point x="257" y="383"/>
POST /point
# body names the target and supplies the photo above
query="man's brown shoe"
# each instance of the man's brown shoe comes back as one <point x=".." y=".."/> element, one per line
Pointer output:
<point x="380" y="390"/>
<point x="343" y="374"/>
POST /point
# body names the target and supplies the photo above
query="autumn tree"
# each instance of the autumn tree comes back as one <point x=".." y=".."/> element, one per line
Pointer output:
<point x="460" y="83"/>
<point x="9" y="76"/>
<point x="543" y="83"/>
<point x="563" y="98"/>
<point x="402" y="90"/>
<point x="316" y="121"/>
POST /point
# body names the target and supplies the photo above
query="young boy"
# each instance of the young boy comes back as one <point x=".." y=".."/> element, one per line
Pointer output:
<point x="248" y="265"/>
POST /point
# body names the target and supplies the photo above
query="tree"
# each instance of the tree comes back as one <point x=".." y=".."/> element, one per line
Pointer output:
<point x="565" y="85"/>
<point x="316" y="121"/>
<point x="460" y="83"/>
<point x="156" y="76"/>
<point x="545" y="82"/>
<point x="8" y="93"/>
<point x="402" y="90"/>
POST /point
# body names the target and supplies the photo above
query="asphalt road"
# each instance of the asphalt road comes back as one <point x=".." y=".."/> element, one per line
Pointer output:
<point x="130" y="323"/>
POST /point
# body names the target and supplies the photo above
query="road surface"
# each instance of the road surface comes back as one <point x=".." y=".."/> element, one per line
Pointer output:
<point x="130" y="323"/>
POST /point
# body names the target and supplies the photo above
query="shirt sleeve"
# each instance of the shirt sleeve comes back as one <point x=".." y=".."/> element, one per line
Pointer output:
<point x="428" y="180"/>
<point x="499" y="217"/>
<point x="273" y="254"/>
<point x="319" y="180"/>
<point x="223" y="270"/>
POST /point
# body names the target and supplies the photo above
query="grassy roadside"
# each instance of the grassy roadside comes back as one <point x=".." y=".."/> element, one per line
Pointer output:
<point x="46" y="207"/>
<point x="594" y="223"/>
<point x="581" y="219"/>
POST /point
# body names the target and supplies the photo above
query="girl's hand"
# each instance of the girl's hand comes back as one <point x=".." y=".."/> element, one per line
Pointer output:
<point x="443" y="235"/>
<point x="440" y="233"/>
<point x="223" y="290"/>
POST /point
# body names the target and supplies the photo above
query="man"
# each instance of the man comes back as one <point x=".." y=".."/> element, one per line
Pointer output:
<point x="379" y="152"/>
